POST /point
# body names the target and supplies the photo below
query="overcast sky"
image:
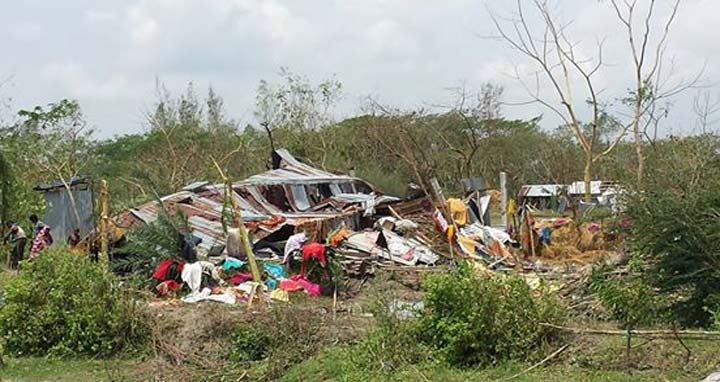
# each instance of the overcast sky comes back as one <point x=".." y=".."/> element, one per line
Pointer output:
<point x="407" y="53"/>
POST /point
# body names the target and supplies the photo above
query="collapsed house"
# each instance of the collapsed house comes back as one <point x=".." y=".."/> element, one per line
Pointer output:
<point x="292" y="197"/>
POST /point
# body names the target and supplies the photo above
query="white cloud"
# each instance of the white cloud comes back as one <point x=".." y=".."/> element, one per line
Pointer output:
<point x="143" y="27"/>
<point x="99" y="16"/>
<point x="407" y="53"/>
<point x="81" y="84"/>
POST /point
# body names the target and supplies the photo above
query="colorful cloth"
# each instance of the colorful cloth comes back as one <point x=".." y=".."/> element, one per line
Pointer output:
<point x="41" y="241"/>
<point x="233" y="263"/>
<point x="338" y="237"/>
<point x="458" y="211"/>
<point x="280" y="295"/>
<point x="312" y="251"/>
<point x="440" y="223"/>
<point x="294" y="243"/>
<point x="168" y="287"/>
<point x="274" y="270"/>
<point x="310" y="288"/>
<point x="290" y="285"/>
<point x="162" y="270"/>
<point x="240" y="278"/>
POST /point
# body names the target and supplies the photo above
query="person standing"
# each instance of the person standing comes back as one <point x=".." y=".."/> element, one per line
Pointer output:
<point x="42" y="238"/>
<point x="16" y="236"/>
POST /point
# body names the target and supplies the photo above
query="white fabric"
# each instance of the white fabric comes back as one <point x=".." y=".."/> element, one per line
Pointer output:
<point x="493" y="234"/>
<point x="192" y="274"/>
<point x="484" y="203"/>
<point x="205" y="295"/>
<point x="248" y="286"/>
<point x="294" y="243"/>
<point x="438" y="216"/>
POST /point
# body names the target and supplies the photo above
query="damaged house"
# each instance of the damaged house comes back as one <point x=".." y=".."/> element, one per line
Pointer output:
<point x="290" y="198"/>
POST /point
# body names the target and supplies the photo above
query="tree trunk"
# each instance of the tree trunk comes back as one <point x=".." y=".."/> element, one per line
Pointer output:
<point x="587" y="177"/>
<point x="639" y="152"/>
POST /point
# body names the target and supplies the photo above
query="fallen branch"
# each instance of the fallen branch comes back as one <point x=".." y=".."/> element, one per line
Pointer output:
<point x="529" y="369"/>
<point x="693" y="334"/>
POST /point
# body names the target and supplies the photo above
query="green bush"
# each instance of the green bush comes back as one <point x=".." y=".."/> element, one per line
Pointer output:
<point x="64" y="304"/>
<point x="675" y="227"/>
<point x="475" y="320"/>
<point x="628" y="299"/>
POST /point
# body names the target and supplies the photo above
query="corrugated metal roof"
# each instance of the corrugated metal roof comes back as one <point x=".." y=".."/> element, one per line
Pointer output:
<point x="540" y="190"/>
<point x="292" y="171"/>
<point x="202" y="202"/>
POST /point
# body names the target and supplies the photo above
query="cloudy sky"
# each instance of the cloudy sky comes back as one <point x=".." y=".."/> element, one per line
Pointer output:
<point x="408" y="53"/>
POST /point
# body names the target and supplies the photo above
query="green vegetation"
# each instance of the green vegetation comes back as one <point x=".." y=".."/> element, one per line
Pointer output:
<point x="62" y="304"/>
<point x="675" y="228"/>
<point x="474" y="320"/>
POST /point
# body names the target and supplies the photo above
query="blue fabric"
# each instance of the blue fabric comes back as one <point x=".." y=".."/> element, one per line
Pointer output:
<point x="271" y="284"/>
<point x="545" y="235"/>
<point x="231" y="263"/>
<point x="275" y="270"/>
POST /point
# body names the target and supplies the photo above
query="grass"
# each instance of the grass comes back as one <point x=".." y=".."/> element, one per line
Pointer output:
<point x="50" y="370"/>
<point x="596" y="359"/>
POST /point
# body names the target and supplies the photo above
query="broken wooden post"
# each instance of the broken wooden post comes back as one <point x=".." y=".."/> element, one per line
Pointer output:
<point x="104" y="253"/>
<point x="503" y="198"/>
<point x="240" y="224"/>
<point x="440" y="198"/>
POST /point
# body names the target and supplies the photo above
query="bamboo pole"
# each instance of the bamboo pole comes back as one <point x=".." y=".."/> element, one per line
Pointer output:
<point x="239" y="223"/>
<point x="104" y="253"/>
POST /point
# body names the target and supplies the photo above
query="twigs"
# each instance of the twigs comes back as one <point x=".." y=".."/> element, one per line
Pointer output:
<point x="689" y="334"/>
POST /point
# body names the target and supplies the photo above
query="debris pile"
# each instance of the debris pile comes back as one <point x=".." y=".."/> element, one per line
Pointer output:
<point x="305" y="222"/>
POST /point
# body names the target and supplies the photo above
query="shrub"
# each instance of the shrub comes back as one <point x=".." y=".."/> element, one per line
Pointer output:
<point x="64" y="304"/>
<point x="475" y="320"/>
<point x="629" y="299"/>
<point x="675" y="228"/>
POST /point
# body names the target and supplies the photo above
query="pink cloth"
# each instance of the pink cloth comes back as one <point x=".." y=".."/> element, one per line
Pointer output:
<point x="41" y="241"/>
<point x="289" y="285"/>
<point x="310" y="288"/>
<point x="240" y="278"/>
<point x="593" y="227"/>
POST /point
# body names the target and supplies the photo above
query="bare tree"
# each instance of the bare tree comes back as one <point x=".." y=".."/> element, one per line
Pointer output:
<point x="567" y="71"/>
<point x="647" y="47"/>
<point x="478" y="114"/>
<point x="706" y="107"/>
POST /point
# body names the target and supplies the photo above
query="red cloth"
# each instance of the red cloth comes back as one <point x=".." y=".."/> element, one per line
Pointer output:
<point x="240" y="278"/>
<point x="312" y="251"/>
<point x="167" y="287"/>
<point x="160" y="273"/>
